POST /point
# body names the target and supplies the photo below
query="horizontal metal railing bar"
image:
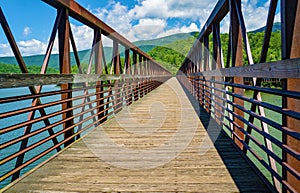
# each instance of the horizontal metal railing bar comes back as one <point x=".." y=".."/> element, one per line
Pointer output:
<point x="77" y="115"/>
<point x="59" y="133"/>
<point x="23" y="124"/>
<point x="4" y="130"/>
<point x="274" y="156"/>
<point x="42" y="141"/>
<point x="269" y="106"/>
<point x="268" y="121"/>
<point x="267" y="151"/>
<point x="260" y="145"/>
<point x="250" y="149"/>
<point x="50" y="93"/>
<point x="280" y="69"/>
<point x="266" y="135"/>
<point x="257" y="157"/>
<point x="28" y="162"/>
<point x="279" y="92"/>
<point x="45" y="105"/>
<point x="263" y="133"/>
<point x="24" y="80"/>
<point x="28" y="109"/>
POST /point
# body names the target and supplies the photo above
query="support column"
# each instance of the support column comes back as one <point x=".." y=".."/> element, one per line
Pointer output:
<point x="217" y="64"/>
<point x="98" y="70"/>
<point x="290" y="29"/>
<point x="65" y="68"/>
<point x="237" y="60"/>
<point x="117" y="71"/>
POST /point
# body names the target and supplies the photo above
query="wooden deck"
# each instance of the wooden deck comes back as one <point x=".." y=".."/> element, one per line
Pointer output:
<point x="156" y="145"/>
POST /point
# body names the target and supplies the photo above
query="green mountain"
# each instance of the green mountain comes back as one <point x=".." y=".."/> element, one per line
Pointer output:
<point x="170" y="51"/>
<point x="145" y="45"/>
<point x="276" y="27"/>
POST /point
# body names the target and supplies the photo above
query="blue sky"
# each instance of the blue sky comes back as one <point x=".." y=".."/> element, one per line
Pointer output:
<point x="31" y="21"/>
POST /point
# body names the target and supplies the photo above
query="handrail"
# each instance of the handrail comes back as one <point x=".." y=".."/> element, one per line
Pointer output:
<point x="25" y="80"/>
<point x="265" y="131"/>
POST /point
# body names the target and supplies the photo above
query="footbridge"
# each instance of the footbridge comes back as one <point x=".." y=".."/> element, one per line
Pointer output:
<point x="126" y="124"/>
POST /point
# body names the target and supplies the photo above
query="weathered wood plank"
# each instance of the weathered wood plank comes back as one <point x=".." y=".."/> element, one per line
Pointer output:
<point x="199" y="167"/>
<point x="280" y="69"/>
<point x="22" y="80"/>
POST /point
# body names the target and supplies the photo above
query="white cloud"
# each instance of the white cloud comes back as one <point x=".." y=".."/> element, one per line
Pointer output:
<point x="83" y="36"/>
<point x="33" y="46"/>
<point x="116" y="17"/>
<point x="148" y="28"/>
<point x="149" y="19"/>
<point x="29" y="47"/>
<point x="5" y="50"/>
<point x="256" y="17"/>
<point x="184" y="29"/>
<point x="26" y="31"/>
<point x="186" y="9"/>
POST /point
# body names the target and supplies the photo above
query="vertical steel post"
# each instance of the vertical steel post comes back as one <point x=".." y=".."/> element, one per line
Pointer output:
<point x="207" y="96"/>
<point x="128" y="96"/>
<point x="218" y="63"/>
<point x="141" y="80"/>
<point x="135" y="72"/>
<point x="237" y="60"/>
<point x="290" y="29"/>
<point x="98" y="48"/>
<point x="65" y="68"/>
<point x="117" y="71"/>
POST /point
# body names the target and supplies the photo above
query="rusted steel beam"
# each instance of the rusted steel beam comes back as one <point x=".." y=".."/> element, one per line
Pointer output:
<point x="219" y="12"/>
<point x="12" y="43"/>
<point x="290" y="33"/>
<point x="98" y="54"/>
<point x="116" y="62"/>
<point x="217" y="64"/>
<point x="33" y="90"/>
<point x="237" y="60"/>
<point x="127" y="71"/>
<point x="65" y="68"/>
<point x="257" y="95"/>
<point x="141" y="67"/>
<point x="84" y="16"/>
<point x="207" y="66"/>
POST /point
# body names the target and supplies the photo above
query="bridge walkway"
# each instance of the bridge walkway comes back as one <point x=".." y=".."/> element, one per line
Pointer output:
<point x="156" y="144"/>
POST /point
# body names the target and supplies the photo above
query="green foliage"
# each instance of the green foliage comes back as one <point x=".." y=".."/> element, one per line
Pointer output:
<point x="14" y="69"/>
<point x="173" y="54"/>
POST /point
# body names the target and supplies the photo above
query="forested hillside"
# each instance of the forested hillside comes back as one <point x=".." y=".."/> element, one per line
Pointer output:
<point x="14" y="69"/>
<point x="172" y="55"/>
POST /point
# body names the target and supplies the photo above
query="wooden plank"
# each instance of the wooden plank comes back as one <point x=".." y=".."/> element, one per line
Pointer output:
<point x="162" y="116"/>
<point x="289" y="68"/>
<point x="23" y="80"/>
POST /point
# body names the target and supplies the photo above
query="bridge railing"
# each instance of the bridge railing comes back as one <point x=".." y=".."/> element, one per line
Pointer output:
<point x="40" y="114"/>
<point x="264" y="123"/>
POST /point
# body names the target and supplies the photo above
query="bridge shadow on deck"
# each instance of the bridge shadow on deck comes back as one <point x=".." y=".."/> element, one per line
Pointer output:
<point x="240" y="168"/>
